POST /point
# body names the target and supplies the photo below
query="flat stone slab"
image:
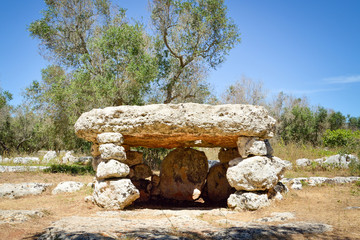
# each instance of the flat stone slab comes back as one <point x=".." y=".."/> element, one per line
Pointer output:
<point x="173" y="227"/>
<point x="9" y="190"/>
<point x="18" y="216"/>
<point x="178" y="125"/>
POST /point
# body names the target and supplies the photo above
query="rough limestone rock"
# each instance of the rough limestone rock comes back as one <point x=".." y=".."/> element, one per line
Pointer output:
<point x="303" y="162"/>
<point x="8" y="190"/>
<point x="111" y="151"/>
<point x="255" y="173"/>
<point x="227" y="154"/>
<point x="49" y="155"/>
<point x="258" y="148"/>
<point x="95" y="162"/>
<point x="18" y="216"/>
<point x="248" y="200"/>
<point x="22" y="168"/>
<point x="110" y="138"/>
<point x="243" y="145"/>
<point x="140" y="171"/>
<point x="183" y="174"/>
<point x="67" y="187"/>
<point x="178" y="125"/>
<point x="115" y="194"/>
<point x="85" y="160"/>
<point x="341" y="160"/>
<point x="112" y="169"/>
<point x="133" y="158"/>
<point x="69" y="158"/>
<point x="277" y="217"/>
<point x="26" y="160"/>
<point x="217" y="186"/>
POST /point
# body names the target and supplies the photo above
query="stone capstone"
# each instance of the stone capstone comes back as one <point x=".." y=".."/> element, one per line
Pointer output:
<point x="255" y="173"/>
<point x="115" y="194"/>
<point x="248" y="200"/>
<point x="183" y="174"/>
<point x="217" y="186"/>
<point x="111" y="151"/>
<point x="178" y="125"/>
<point x="67" y="187"/>
<point x="112" y="169"/>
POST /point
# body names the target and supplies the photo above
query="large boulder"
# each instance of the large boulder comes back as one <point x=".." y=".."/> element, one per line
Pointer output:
<point x="112" y="151"/>
<point x="115" y="194"/>
<point x="248" y="200"/>
<point x="67" y="187"/>
<point x="183" y="174"/>
<point x="178" y="125"/>
<point x="218" y="188"/>
<point x="112" y="169"/>
<point x="256" y="173"/>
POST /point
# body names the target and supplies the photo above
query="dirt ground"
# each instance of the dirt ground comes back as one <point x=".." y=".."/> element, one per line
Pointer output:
<point x="325" y="204"/>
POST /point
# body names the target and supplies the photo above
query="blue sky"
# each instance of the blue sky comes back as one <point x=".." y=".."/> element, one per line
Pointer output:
<point x="304" y="48"/>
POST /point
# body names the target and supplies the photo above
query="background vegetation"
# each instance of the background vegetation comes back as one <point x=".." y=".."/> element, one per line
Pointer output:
<point x="98" y="58"/>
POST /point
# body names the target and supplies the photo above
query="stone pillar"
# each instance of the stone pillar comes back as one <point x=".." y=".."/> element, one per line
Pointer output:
<point x="254" y="175"/>
<point x="113" y="187"/>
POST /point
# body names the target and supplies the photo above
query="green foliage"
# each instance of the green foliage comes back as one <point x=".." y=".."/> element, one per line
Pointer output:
<point x="71" y="169"/>
<point x="154" y="156"/>
<point x="192" y="34"/>
<point x="341" y="138"/>
<point x="354" y="167"/>
<point x="336" y="120"/>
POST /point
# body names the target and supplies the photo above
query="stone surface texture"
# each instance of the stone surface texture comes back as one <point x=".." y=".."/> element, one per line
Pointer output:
<point x="18" y="216"/>
<point x="178" y="125"/>
<point x="49" y="155"/>
<point x="248" y="200"/>
<point x="255" y="173"/>
<point x="25" y="160"/>
<point x="110" y="138"/>
<point x="67" y="187"/>
<point x="69" y="158"/>
<point x="112" y="151"/>
<point x="183" y="174"/>
<point x="115" y="194"/>
<point x="217" y="186"/>
<point x="140" y="171"/>
<point x="112" y="169"/>
<point x="227" y="154"/>
<point x="8" y="190"/>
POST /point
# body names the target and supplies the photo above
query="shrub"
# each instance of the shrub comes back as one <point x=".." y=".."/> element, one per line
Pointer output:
<point x="71" y="169"/>
<point x="348" y="140"/>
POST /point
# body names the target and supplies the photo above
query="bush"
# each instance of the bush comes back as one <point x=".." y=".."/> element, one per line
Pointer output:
<point x="354" y="168"/>
<point x="342" y="138"/>
<point x="70" y="169"/>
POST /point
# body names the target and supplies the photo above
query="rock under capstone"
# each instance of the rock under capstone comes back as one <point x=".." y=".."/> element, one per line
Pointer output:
<point x="178" y="125"/>
<point x="183" y="174"/>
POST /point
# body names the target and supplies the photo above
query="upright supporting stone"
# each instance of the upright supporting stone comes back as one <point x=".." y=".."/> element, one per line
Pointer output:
<point x="183" y="174"/>
<point x="244" y="144"/>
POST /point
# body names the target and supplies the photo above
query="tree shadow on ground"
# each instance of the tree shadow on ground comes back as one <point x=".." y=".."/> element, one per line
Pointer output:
<point x="271" y="232"/>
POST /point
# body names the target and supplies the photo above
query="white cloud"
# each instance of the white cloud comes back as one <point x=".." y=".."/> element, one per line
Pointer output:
<point x="344" y="79"/>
